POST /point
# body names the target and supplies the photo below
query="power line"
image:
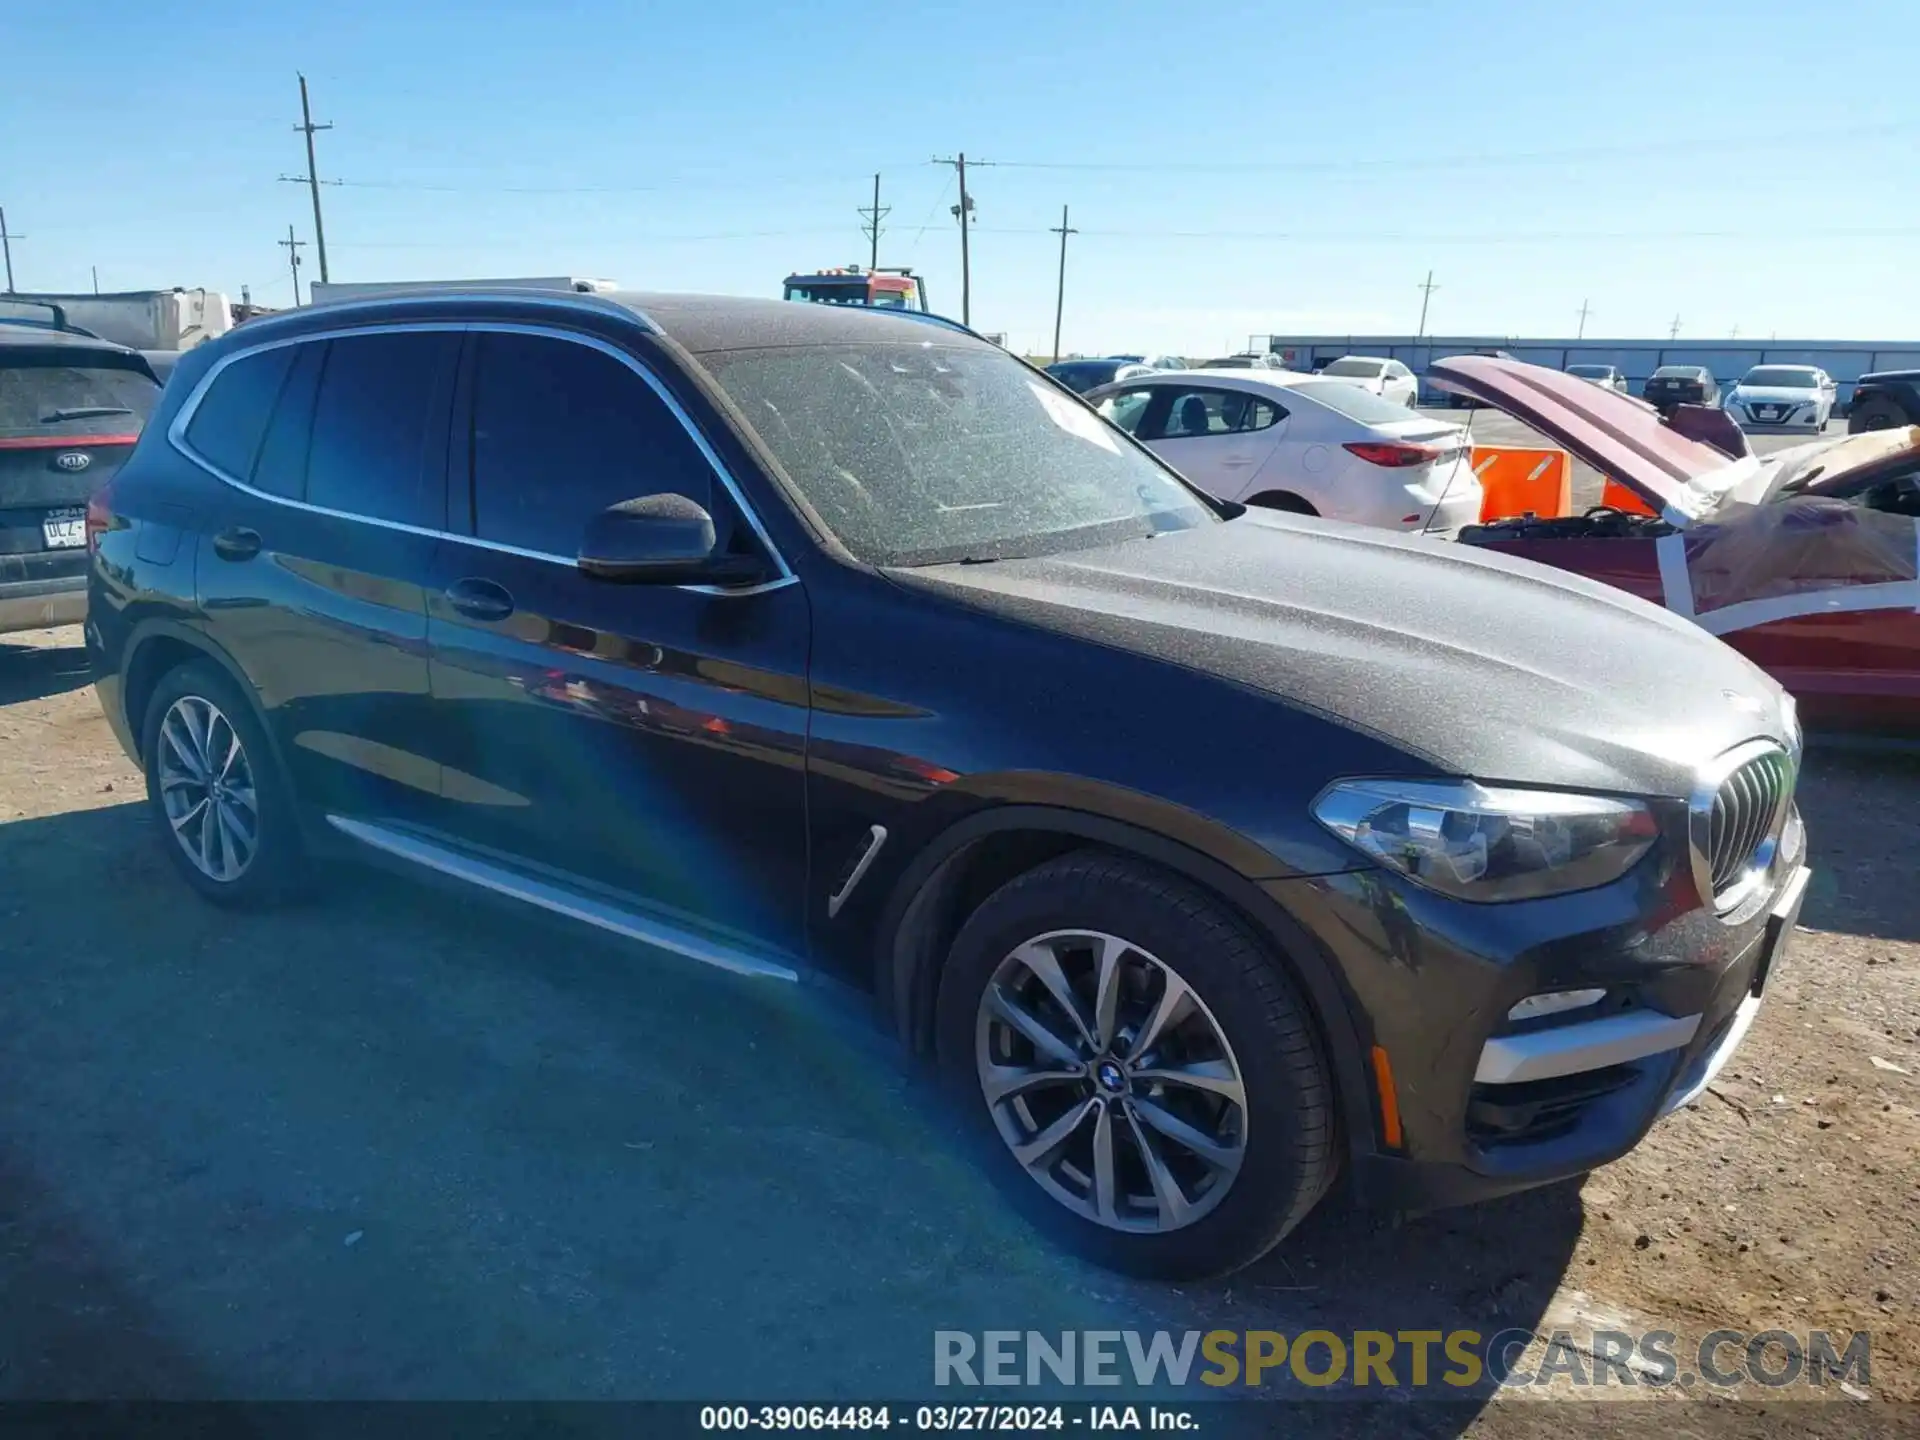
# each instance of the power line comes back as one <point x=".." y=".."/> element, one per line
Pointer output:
<point x="7" y="237"/>
<point x="1401" y="162"/>
<point x="873" y="215"/>
<point x="293" y="260"/>
<point x="1060" y="296"/>
<point x="312" y="181"/>
<point x="964" y="212"/>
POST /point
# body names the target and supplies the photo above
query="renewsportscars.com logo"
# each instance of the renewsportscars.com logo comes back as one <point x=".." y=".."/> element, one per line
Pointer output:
<point x="1452" y="1360"/>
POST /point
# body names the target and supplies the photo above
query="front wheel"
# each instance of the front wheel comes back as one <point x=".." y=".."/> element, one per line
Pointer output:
<point x="1144" y="1076"/>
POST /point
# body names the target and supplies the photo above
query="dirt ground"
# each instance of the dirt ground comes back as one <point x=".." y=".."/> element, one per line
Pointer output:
<point x="391" y="1145"/>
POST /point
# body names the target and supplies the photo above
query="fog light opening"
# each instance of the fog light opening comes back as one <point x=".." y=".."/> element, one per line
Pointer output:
<point x="1554" y="1002"/>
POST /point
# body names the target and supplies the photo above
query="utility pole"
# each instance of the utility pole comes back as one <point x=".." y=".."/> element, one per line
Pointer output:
<point x="7" y="237"/>
<point x="1735" y="335"/>
<point x="96" y="279"/>
<point x="1584" y="312"/>
<point x="873" y="215"/>
<point x="1060" y="296"/>
<point x="1674" y="333"/>
<point x="312" y="178"/>
<point x="1427" y="287"/>
<point x="964" y="212"/>
<point x="293" y="259"/>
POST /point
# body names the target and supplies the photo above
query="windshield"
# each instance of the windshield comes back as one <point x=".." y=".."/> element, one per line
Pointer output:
<point x="1590" y="372"/>
<point x="918" y="454"/>
<point x="835" y="292"/>
<point x="1782" y="377"/>
<point x="1365" y="369"/>
<point x="55" y="397"/>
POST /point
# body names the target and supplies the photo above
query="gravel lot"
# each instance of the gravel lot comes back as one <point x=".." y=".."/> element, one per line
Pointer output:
<point x="394" y="1144"/>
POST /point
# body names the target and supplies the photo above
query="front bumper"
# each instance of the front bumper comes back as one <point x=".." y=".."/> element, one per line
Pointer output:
<point x="1488" y="1108"/>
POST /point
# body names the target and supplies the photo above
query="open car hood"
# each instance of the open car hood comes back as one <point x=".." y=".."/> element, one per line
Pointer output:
<point x="1619" y="436"/>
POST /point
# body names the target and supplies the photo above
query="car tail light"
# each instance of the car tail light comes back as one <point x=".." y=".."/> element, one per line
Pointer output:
<point x="1393" y="456"/>
<point x="99" y="516"/>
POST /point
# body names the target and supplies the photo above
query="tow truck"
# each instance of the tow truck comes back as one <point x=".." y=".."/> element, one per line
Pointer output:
<point x="884" y="288"/>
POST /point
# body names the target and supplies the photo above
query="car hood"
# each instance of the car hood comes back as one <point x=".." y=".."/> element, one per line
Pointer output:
<point x="1773" y="395"/>
<point x="1473" y="663"/>
<point x="1682" y="479"/>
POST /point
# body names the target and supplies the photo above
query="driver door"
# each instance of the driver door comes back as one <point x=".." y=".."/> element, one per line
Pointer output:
<point x="645" y="738"/>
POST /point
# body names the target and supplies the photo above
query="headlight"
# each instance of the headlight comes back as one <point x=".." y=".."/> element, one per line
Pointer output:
<point x="1466" y="840"/>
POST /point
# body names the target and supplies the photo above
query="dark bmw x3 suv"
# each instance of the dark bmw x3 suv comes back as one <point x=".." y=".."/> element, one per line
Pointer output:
<point x="1210" y="853"/>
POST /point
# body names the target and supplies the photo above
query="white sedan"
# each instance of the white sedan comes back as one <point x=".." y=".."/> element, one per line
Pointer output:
<point x="1287" y="441"/>
<point x="1386" y="378"/>
<point x="1783" y="397"/>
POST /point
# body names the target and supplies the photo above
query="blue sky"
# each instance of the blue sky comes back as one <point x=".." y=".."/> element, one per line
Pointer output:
<point x="1234" y="169"/>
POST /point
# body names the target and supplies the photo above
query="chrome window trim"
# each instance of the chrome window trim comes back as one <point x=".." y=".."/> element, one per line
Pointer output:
<point x="177" y="437"/>
<point x="1731" y="904"/>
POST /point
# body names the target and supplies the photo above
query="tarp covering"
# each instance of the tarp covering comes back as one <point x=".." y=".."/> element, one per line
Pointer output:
<point x="1794" y="546"/>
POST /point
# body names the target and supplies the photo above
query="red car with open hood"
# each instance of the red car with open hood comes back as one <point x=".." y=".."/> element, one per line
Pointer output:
<point x="1807" y="560"/>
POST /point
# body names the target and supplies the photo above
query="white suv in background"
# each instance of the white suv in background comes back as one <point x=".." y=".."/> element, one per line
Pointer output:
<point x="1388" y="379"/>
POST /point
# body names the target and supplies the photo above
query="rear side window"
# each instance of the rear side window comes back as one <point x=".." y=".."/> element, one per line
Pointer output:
<point x="1195" y="413"/>
<point x="560" y="432"/>
<point x="232" y="416"/>
<point x="379" y="427"/>
<point x="281" y="468"/>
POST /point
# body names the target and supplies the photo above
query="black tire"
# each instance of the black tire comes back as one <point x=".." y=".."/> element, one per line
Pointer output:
<point x="1876" y="415"/>
<point x="277" y="869"/>
<point x="1290" y="1157"/>
<point x="1283" y="500"/>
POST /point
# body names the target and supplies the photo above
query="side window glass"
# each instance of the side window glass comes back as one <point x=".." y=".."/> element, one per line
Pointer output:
<point x="282" y="466"/>
<point x="560" y="432"/>
<point x="232" y="415"/>
<point x="379" y="424"/>
<point x="1126" y="408"/>
<point x="1197" y="413"/>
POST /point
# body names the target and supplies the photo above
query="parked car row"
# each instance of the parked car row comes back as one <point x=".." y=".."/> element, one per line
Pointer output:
<point x="787" y="639"/>
<point x="1768" y="399"/>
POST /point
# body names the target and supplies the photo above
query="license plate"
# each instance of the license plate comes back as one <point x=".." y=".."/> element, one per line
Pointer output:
<point x="65" y="529"/>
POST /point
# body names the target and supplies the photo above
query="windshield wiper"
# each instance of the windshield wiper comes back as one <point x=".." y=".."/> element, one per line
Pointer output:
<point x="84" y="412"/>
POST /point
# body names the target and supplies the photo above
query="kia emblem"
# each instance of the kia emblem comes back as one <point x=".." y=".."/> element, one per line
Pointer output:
<point x="72" y="461"/>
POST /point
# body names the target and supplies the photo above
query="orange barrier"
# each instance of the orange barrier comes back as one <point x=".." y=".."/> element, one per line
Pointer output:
<point x="1517" y="481"/>
<point x="1616" y="496"/>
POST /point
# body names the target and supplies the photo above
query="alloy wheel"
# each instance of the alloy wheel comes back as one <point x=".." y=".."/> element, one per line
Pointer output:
<point x="1110" y="1081"/>
<point x="207" y="789"/>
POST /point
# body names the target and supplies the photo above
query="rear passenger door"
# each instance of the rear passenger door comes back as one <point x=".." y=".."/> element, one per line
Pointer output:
<point x="649" y="739"/>
<point x="314" y="556"/>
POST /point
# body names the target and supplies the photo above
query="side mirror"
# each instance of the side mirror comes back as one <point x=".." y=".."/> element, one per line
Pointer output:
<point x="659" y="540"/>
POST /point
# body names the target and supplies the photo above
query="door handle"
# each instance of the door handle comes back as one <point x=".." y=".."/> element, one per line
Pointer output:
<point x="480" y="599"/>
<point x="238" y="543"/>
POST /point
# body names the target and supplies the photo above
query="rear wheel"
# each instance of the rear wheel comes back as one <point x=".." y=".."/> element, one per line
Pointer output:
<point x="212" y="785"/>
<point x="1143" y="1075"/>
